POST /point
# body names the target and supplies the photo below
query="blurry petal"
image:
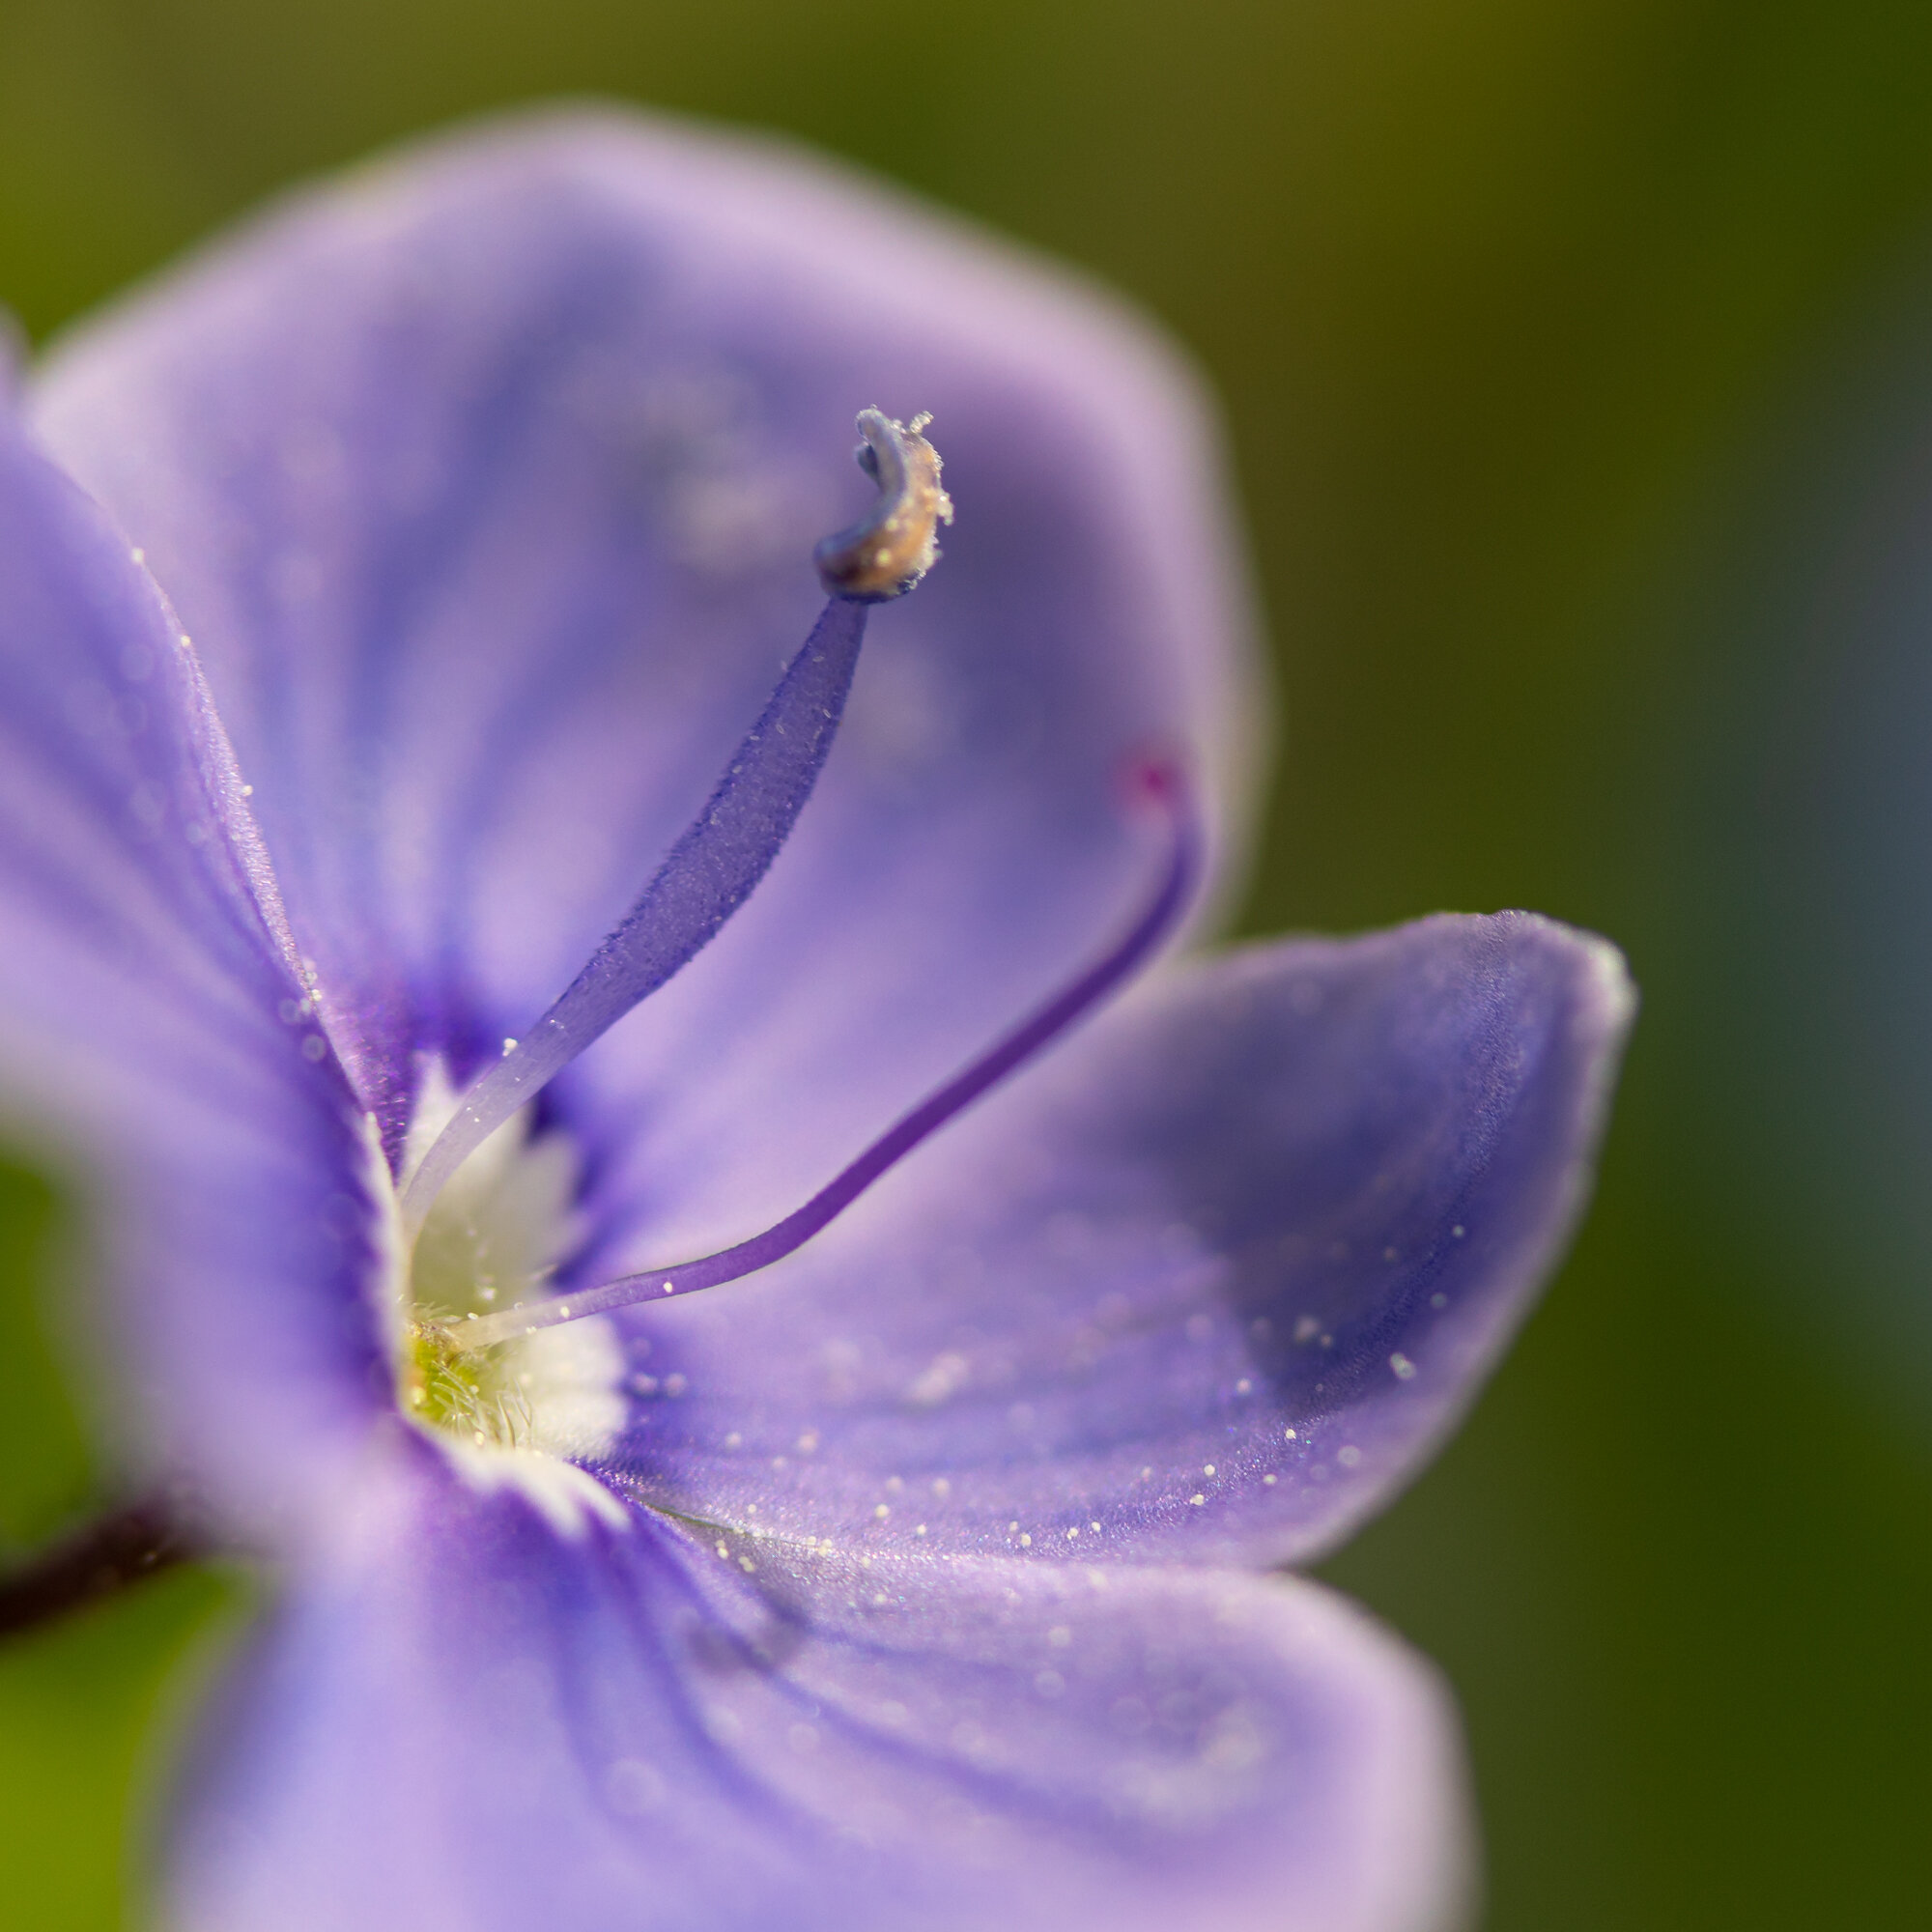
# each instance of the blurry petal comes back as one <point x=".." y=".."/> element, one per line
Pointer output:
<point x="488" y="483"/>
<point x="462" y="1719"/>
<point x="142" y="1000"/>
<point x="1209" y="1282"/>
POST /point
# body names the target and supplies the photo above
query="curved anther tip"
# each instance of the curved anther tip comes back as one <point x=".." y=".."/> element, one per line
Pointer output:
<point x="890" y="549"/>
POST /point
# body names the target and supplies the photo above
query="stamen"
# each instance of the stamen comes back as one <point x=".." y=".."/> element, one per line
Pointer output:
<point x="729" y="846"/>
<point x="885" y="554"/>
<point x="1160" y="784"/>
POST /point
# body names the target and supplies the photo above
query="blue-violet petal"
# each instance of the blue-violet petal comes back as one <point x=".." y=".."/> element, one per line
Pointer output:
<point x="1207" y="1283"/>
<point x="488" y="483"/>
<point x="154" y="1031"/>
<point x="668" y="1730"/>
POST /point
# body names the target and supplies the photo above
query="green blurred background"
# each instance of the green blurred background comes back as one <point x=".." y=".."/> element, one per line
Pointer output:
<point x="1537" y="325"/>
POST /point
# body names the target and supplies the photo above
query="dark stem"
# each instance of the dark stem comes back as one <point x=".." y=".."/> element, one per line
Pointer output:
<point x="93" y="1562"/>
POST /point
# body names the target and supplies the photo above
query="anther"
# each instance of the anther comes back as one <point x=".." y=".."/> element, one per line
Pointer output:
<point x="884" y="555"/>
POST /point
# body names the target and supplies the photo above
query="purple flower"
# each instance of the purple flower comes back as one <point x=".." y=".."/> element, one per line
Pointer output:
<point x="912" y="1579"/>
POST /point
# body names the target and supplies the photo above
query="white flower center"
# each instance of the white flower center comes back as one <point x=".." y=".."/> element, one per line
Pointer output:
<point x="494" y="1237"/>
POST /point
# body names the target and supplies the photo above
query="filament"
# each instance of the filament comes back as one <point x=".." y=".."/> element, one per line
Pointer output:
<point x="1160" y="784"/>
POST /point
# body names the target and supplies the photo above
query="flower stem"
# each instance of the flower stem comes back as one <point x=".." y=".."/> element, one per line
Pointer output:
<point x="95" y="1561"/>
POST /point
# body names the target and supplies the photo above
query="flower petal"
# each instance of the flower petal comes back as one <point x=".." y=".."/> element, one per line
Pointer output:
<point x="488" y="483"/>
<point x="1209" y="1283"/>
<point x="462" y="1718"/>
<point x="142" y="991"/>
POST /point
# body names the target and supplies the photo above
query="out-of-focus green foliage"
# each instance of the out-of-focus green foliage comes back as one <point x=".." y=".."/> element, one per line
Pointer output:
<point x="79" y="1702"/>
<point x="45" y="1473"/>
<point x="1505" y="298"/>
